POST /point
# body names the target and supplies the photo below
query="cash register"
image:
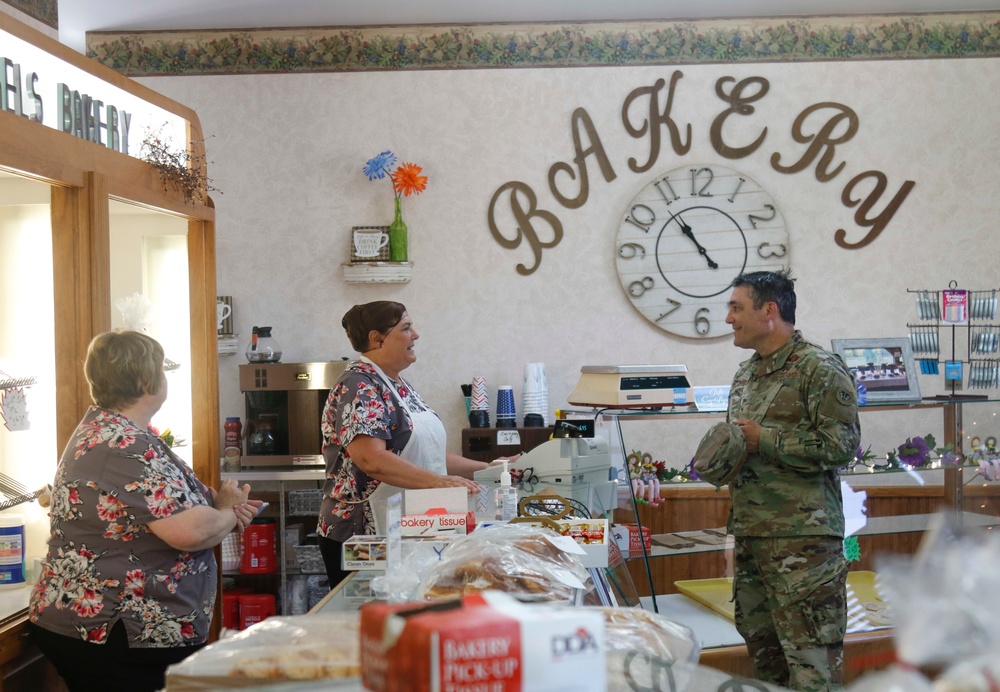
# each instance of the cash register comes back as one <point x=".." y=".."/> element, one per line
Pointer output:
<point x="576" y="468"/>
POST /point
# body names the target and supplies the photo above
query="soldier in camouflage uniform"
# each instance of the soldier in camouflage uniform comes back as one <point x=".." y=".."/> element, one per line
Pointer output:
<point x="792" y="424"/>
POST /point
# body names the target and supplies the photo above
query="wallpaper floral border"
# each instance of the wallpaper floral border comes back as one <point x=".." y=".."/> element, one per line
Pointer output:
<point x="45" y="11"/>
<point x="424" y="47"/>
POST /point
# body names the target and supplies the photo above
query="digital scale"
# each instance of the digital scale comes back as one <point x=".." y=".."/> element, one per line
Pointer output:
<point x="627" y="386"/>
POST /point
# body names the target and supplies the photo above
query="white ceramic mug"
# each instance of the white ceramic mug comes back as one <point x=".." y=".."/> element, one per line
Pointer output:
<point x="222" y="311"/>
<point x="368" y="243"/>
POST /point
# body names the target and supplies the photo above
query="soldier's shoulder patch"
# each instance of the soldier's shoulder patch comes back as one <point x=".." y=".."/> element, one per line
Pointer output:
<point x="844" y="396"/>
<point x="793" y="358"/>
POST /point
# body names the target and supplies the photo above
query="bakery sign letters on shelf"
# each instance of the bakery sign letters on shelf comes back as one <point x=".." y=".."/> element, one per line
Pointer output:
<point x="820" y="128"/>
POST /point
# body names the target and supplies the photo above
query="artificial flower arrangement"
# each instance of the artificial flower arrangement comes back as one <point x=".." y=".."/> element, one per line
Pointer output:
<point x="406" y="180"/>
<point x="923" y="453"/>
<point x="167" y="437"/>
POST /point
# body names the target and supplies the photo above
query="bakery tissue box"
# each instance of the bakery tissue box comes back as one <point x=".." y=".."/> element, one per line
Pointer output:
<point x="626" y="537"/>
<point x="487" y="641"/>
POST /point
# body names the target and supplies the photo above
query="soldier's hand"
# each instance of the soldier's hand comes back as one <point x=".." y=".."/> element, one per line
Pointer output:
<point x="751" y="433"/>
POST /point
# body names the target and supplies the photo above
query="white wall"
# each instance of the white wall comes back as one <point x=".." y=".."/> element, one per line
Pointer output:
<point x="287" y="153"/>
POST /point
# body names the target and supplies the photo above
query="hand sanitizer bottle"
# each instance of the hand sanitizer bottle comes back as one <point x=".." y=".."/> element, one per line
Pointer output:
<point x="505" y="496"/>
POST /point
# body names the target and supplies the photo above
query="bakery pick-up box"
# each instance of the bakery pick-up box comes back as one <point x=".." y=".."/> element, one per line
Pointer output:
<point x="484" y="642"/>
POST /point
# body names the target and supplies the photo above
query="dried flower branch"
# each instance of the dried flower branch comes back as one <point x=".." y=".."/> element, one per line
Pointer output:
<point x="178" y="168"/>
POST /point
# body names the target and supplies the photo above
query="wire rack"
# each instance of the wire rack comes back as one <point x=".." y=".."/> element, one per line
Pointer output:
<point x="963" y="335"/>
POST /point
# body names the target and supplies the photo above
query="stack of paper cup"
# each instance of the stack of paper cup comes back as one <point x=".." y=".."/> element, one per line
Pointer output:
<point x="535" y="391"/>
<point x="506" y="416"/>
<point x="479" y="415"/>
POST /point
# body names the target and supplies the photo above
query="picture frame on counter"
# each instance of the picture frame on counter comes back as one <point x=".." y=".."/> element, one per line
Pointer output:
<point x="884" y="366"/>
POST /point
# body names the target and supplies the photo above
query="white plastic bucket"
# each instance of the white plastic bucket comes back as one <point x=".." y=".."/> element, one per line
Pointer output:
<point x="11" y="550"/>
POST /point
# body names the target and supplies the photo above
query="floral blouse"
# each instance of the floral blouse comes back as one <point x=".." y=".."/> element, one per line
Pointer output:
<point x="359" y="404"/>
<point x="103" y="564"/>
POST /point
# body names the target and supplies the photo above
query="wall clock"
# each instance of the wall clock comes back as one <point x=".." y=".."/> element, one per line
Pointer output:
<point x="686" y="236"/>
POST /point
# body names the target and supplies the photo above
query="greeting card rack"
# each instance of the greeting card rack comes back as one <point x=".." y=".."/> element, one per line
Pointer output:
<point x="968" y="316"/>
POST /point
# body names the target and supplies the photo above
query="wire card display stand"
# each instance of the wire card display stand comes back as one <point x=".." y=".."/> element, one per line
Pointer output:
<point x="15" y="493"/>
<point x="949" y="317"/>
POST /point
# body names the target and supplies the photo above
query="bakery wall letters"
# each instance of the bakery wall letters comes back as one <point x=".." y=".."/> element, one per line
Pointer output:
<point x="819" y="127"/>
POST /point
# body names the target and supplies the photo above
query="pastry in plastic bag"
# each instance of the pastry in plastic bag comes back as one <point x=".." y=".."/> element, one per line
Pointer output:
<point x="520" y="559"/>
<point x="314" y="647"/>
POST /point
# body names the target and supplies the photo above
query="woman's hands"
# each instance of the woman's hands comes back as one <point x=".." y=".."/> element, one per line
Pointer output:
<point x="456" y="482"/>
<point x="232" y="495"/>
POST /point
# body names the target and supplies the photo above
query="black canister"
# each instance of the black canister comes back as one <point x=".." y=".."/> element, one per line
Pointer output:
<point x="479" y="418"/>
<point x="534" y="420"/>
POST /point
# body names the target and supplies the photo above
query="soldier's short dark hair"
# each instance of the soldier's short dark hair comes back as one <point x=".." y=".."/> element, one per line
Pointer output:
<point x="767" y="287"/>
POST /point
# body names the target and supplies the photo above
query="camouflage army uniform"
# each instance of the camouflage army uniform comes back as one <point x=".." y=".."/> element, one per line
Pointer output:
<point x="787" y="513"/>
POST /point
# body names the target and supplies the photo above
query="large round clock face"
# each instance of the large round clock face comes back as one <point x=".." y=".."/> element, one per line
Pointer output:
<point x="686" y="236"/>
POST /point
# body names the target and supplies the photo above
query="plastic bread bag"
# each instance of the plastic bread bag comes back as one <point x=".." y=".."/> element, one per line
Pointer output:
<point x="531" y="562"/>
<point x="892" y="679"/>
<point x="979" y="674"/>
<point x="936" y="598"/>
<point x="647" y="651"/>
<point x="400" y="582"/>
<point x="274" y="651"/>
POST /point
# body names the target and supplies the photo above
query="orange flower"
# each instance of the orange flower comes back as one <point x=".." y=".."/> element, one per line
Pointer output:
<point x="408" y="181"/>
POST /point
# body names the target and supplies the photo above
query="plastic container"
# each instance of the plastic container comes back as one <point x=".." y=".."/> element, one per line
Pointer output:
<point x="11" y="550"/>
<point x="255" y="607"/>
<point x="259" y="547"/>
<point x="233" y="447"/>
<point x="505" y="496"/>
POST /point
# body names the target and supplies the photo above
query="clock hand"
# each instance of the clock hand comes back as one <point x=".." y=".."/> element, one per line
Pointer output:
<point x="686" y="230"/>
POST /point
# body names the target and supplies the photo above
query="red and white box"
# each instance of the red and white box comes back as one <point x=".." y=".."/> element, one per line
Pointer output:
<point x="435" y="522"/>
<point x="626" y="537"/>
<point x="436" y="512"/>
<point x="487" y="641"/>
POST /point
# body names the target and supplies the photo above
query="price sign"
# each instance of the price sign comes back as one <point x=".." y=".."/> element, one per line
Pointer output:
<point x="508" y="438"/>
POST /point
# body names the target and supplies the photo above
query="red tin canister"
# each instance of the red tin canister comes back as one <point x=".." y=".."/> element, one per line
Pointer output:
<point x="231" y="606"/>
<point x="254" y="607"/>
<point x="259" y="547"/>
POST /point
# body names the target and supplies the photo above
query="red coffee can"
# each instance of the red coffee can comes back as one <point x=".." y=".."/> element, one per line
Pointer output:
<point x="231" y="606"/>
<point x="259" y="547"/>
<point x="254" y="607"/>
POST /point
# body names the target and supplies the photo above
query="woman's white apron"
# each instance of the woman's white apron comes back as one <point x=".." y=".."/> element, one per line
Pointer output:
<point x="426" y="448"/>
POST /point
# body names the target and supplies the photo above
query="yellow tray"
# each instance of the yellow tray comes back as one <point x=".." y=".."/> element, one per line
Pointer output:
<point x="716" y="594"/>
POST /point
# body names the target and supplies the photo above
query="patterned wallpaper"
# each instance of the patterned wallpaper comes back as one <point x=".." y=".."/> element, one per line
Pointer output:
<point x="424" y="47"/>
<point x="45" y="11"/>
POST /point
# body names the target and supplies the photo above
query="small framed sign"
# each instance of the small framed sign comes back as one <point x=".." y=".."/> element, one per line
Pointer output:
<point x="370" y="244"/>
<point x="883" y="366"/>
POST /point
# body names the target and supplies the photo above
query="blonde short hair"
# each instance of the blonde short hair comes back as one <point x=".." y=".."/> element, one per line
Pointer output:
<point x="121" y="366"/>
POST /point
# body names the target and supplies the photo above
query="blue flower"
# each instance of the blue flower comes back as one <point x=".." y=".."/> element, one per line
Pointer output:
<point x="377" y="166"/>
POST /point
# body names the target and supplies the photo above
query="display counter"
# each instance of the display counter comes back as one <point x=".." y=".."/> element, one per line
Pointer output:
<point x="13" y="601"/>
<point x="865" y="647"/>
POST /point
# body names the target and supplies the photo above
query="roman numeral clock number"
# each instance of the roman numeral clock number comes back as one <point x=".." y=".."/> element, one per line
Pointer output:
<point x="683" y="239"/>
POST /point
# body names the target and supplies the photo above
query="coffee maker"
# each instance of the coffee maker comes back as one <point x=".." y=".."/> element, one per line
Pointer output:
<point x="284" y="404"/>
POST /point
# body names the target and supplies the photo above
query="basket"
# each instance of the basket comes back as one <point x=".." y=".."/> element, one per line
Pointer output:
<point x="305" y="502"/>
<point x="310" y="559"/>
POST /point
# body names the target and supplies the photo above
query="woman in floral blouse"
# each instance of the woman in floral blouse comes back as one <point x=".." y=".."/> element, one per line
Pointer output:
<point x="378" y="434"/>
<point x="128" y="584"/>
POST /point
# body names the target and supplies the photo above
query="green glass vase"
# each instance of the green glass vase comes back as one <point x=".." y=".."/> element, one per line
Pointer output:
<point x="397" y="237"/>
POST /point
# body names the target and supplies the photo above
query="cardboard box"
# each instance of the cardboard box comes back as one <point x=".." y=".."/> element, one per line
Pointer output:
<point x="364" y="552"/>
<point x="626" y="537"/>
<point x="590" y="537"/>
<point x="294" y="535"/>
<point x="436" y="522"/>
<point x="489" y="641"/>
